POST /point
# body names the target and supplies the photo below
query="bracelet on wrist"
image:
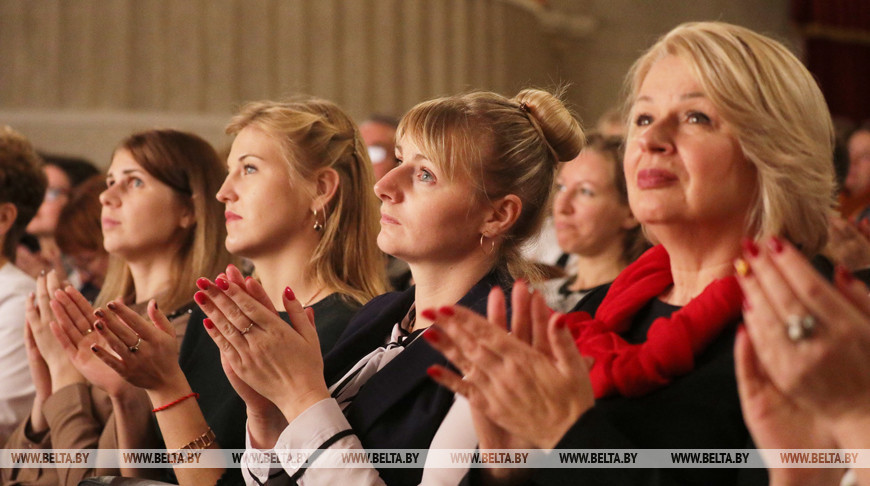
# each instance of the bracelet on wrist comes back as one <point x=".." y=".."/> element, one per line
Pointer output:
<point x="176" y="402"/>
<point x="204" y="441"/>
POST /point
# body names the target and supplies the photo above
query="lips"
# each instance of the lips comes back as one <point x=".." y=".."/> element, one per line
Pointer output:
<point x="231" y="216"/>
<point x="387" y="219"/>
<point x="655" y="178"/>
<point x="109" y="223"/>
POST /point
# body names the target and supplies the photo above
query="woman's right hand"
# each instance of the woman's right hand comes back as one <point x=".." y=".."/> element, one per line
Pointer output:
<point x="40" y="315"/>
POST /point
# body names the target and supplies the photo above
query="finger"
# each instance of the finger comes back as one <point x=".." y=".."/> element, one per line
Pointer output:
<point x="227" y="348"/>
<point x="159" y="319"/>
<point x="448" y="347"/>
<point x="61" y="333"/>
<point x="29" y="341"/>
<point x="782" y="298"/>
<point x="134" y="322"/>
<point x="42" y="298"/>
<point x="237" y="307"/>
<point x="520" y="312"/>
<point x="763" y="325"/>
<point x="111" y="338"/>
<point x="225" y="334"/>
<point x="109" y="319"/>
<point x="750" y="375"/>
<point x="469" y="329"/>
<point x="298" y="317"/>
<point x="853" y="290"/>
<point x="450" y="380"/>
<point x="77" y="308"/>
<point x="495" y="308"/>
<point x="65" y="322"/>
<point x="256" y="290"/>
<point x="52" y="282"/>
<point x="540" y="314"/>
<point x="31" y="313"/>
<point x="568" y="358"/>
<point x="235" y="275"/>
<point x="108" y="358"/>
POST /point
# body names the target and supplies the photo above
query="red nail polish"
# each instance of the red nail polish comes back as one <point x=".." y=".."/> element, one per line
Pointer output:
<point x="288" y="294"/>
<point x="99" y="313"/>
<point x="428" y="314"/>
<point x="202" y="283"/>
<point x="447" y="310"/>
<point x="112" y="306"/>
<point x="249" y="278"/>
<point x="750" y="247"/>
<point x="775" y="244"/>
<point x="434" y="372"/>
<point x="844" y="274"/>
<point x="208" y="323"/>
<point x="431" y="335"/>
<point x="560" y="322"/>
<point x="222" y="283"/>
<point x="199" y="297"/>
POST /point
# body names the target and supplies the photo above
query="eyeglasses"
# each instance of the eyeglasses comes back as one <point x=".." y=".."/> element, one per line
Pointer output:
<point x="54" y="193"/>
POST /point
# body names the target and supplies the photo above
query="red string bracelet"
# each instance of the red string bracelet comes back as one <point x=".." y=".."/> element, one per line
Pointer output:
<point x="175" y="402"/>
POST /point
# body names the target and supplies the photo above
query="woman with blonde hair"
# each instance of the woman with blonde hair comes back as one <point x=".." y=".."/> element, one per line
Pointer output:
<point x="474" y="176"/>
<point x="298" y="204"/>
<point x="161" y="229"/>
<point x="729" y="137"/>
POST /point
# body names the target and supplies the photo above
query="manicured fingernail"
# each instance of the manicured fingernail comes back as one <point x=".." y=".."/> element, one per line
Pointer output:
<point x="208" y="323"/>
<point x="288" y="294"/>
<point x="199" y="297"/>
<point x="844" y="274"/>
<point x="112" y="306"/>
<point x="775" y="244"/>
<point x="560" y="322"/>
<point x="222" y="275"/>
<point x="446" y="310"/>
<point x="98" y="325"/>
<point x="428" y="314"/>
<point x="742" y="267"/>
<point x="750" y="247"/>
<point x="99" y="313"/>
<point x="222" y="283"/>
<point x="155" y="305"/>
<point x="431" y="335"/>
<point x="249" y="278"/>
<point x="202" y="283"/>
<point x="434" y="372"/>
<point x="94" y="348"/>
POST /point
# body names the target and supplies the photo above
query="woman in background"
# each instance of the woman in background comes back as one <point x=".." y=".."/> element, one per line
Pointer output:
<point x="79" y="236"/>
<point x="593" y="222"/>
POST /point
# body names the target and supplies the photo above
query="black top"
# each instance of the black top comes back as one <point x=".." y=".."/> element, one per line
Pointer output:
<point x="699" y="410"/>
<point x="223" y="409"/>
<point x="400" y="407"/>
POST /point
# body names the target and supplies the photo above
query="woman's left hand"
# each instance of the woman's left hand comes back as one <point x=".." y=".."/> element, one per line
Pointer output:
<point x="534" y="384"/>
<point x="279" y="361"/>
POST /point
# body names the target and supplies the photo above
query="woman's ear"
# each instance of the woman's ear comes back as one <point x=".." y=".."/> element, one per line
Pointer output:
<point x="188" y="215"/>
<point x="325" y="187"/>
<point x="503" y="213"/>
<point x="8" y="215"/>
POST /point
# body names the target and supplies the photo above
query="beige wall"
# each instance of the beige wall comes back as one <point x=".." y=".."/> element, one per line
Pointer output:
<point x="78" y="75"/>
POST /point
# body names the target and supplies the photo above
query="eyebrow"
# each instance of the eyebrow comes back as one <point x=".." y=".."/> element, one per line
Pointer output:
<point x="687" y="96"/>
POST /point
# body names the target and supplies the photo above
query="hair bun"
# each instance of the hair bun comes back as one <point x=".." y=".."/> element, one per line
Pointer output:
<point x="559" y="126"/>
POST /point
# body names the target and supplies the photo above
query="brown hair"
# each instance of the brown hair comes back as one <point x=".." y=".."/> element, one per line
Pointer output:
<point x="505" y="146"/>
<point x="22" y="183"/>
<point x="78" y="227"/>
<point x="315" y="134"/>
<point x="191" y="167"/>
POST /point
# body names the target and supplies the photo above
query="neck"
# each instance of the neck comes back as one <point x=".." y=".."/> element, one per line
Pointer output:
<point x="151" y="276"/>
<point x="3" y="261"/>
<point x="697" y="259"/>
<point x="285" y="268"/>
<point x="595" y="270"/>
<point x="440" y="284"/>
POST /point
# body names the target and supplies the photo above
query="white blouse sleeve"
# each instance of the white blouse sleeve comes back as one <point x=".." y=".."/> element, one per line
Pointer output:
<point x="319" y="428"/>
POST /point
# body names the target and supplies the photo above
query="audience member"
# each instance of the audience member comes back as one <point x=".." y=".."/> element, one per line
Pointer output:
<point x="305" y="162"/>
<point x="22" y="185"/>
<point x="79" y="236"/>
<point x="64" y="174"/>
<point x="161" y="227"/>
<point x="855" y="196"/>
<point x="729" y="136"/>
<point x="593" y="222"/>
<point x="472" y="184"/>
<point x="611" y="124"/>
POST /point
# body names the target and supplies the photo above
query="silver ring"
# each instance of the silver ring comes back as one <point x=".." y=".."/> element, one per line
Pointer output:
<point x="135" y="347"/>
<point x="247" y="329"/>
<point x="800" y="327"/>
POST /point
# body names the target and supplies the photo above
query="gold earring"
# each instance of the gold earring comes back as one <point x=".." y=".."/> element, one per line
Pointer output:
<point x="318" y="227"/>
<point x="491" y="245"/>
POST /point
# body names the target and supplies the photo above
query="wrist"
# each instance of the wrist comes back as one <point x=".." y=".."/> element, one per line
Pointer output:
<point x="64" y="377"/>
<point x="293" y="406"/>
<point x="851" y="431"/>
<point x="170" y="392"/>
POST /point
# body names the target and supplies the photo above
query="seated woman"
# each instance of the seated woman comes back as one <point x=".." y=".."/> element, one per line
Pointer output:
<point x="81" y="403"/>
<point x="475" y="173"/>
<point x="593" y="222"/>
<point x="298" y="204"/>
<point x="729" y="136"/>
<point x="79" y="236"/>
<point x="801" y="362"/>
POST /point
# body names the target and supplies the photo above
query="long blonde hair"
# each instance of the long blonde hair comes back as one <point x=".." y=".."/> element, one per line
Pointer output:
<point x="315" y="134"/>
<point x="192" y="169"/>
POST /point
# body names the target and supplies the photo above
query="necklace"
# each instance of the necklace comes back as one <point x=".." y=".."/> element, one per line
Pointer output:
<point x="311" y="299"/>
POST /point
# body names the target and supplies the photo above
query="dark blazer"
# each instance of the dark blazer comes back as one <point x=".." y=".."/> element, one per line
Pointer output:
<point x="400" y="407"/>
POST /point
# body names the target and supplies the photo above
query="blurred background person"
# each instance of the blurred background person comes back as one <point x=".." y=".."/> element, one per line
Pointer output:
<point x="593" y="222"/>
<point x="855" y="196"/>
<point x="63" y="174"/>
<point x="22" y="185"/>
<point x="79" y="236"/>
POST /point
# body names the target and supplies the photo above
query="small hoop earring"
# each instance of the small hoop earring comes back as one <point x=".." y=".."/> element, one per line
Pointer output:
<point x="318" y="227"/>
<point x="491" y="245"/>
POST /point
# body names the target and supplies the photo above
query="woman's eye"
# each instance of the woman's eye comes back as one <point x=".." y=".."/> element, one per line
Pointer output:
<point x="398" y="161"/>
<point x="136" y="182"/>
<point x="697" y="117"/>
<point x="110" y="182"/>
<point x="561" y="187"/>
<point x="586" y="191"/>
<point x="643" y="120"/>
<point x="426" y="176"/>
<point x="249" y="169"/>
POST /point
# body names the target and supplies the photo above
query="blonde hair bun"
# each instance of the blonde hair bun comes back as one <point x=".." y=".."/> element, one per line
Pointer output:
<point x="558" y="126"/>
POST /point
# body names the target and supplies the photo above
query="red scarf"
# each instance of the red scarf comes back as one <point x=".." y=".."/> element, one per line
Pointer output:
<point x="672" y="344"/>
